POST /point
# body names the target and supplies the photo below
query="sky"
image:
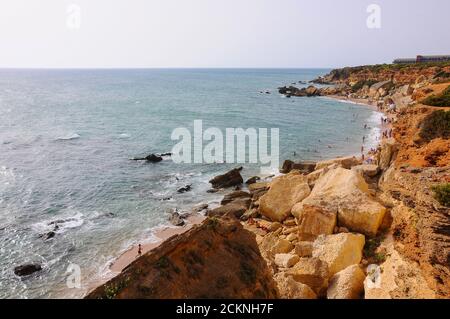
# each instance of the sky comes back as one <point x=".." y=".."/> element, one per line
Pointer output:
<point x="218" y="33"/>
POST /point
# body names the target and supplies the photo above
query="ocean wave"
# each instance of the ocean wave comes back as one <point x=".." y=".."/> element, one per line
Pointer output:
<point x="59" y="225"/>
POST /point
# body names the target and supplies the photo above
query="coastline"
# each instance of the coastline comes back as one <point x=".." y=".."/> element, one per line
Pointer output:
<point x="165" y="232"/>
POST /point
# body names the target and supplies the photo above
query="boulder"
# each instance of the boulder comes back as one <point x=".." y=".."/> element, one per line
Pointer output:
<point x="288" y="288"/>
<point x="184" y="189"/>
<point x="271" y="245"/>
<point x="228" y="198"/>
<point x="347" y="284"/>
<point x="252" y="180"/>
<point x="345" y="162"/>
<point x="345" y="193"/>
<point x="259" y="186"/>
<point x="286" y="260"/>
<point x="285" y="191"/>
<point x="304" y="167"/>
<point x="304" y="248"/>
<point x="150" y="158"/>
<point x="368" y="170"/>
<point x="27" y="269"/>
<point x="339" y="251"/>
<point x="387" y="153"/>
<point x="361" y="214"/>
<point x="312" y="272"/>
<point x="380" y="88"/>
<point x="235" y="209"/>
<point x="176" y="219"/>
<point x="229" y="179"/>
<point x="250" y="213"/>
<point x="314" y="220"/>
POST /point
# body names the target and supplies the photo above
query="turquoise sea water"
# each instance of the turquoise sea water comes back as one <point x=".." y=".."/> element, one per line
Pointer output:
<point x="66" y="137"/>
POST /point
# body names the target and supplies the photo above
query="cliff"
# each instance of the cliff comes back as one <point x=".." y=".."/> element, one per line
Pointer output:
<point x="216" y="259"/>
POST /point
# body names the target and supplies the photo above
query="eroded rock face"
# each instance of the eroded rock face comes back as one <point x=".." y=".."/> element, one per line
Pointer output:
<point x="347" y="284"/>
<point x="217" y="259"/>
<point x="339" y="251"/>
<point x="288" y="288"/>
<point x="285" y="191"/>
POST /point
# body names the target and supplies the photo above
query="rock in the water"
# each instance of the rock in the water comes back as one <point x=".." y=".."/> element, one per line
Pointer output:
<point x="291" y="289"/>
<point x="345" y="162"/>
<point x="229" y="179"/>
<point x="252" y="180"/>
<point x="312" y="272"/>
<point x="50" y="235"/>
<point x="228" y="198"/>
<point x="305" y="167"/>
<point x="286" y="260"/>
<point x="150" y="158"/>
<point x="176" y="219"/>
<point x="339" y="251"/>
<point x="347" y="284"/>
<point x="285" y="191"/>
<point x="27" y="269"/>
<point x="184" y="189"/>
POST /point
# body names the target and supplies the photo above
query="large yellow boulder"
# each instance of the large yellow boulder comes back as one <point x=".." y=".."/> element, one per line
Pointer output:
<point x="339" y="197"/>
<point x="288" y="288"/>
<point x="347" y="284"/>
<point x="339" y="251"/>
<point x="285" y="191"/>
<point x="312" y="272"/>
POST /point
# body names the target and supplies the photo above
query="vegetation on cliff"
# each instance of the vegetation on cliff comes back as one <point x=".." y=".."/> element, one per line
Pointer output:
<point x="442" y="99"/>
<point x="442" y="194"/>
<point x="435" y="125"/>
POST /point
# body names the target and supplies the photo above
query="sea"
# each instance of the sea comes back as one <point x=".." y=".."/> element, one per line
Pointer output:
<point x="67" y="137"/>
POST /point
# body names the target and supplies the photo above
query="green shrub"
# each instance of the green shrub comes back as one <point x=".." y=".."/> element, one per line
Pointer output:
<point x="442" y="194"/>
<point x="442" y="99"/>
<point x="436" y="125"/>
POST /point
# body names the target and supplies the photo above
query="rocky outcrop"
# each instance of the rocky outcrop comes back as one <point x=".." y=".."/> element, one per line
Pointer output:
<point x="339" y="250"/>
<point x="304" y="167"/>
<point x="291" y="289"/>
<point x="27" y="269"/>
<point x="217" y="259"/>
<point x="345" y="162"/>
<point x="341" y="197"/>
<point x="312" y="272"/>
<point x="229" y="179"/>
<point x="154" y="158"/>
<point x="294" y="91"/>
<point x="347" y="284"/>
<point x="285" y="191"/>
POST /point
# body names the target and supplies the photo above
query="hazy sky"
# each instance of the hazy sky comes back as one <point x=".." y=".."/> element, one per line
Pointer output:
<point x="217" y="33"/>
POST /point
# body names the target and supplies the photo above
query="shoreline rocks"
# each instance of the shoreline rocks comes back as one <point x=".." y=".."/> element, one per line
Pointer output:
<point x="229" y="179"/>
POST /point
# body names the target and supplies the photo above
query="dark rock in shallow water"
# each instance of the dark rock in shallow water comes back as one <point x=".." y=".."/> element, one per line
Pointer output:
<point x="150" y="158"/>
<point x="252" y="180"/>
<point x="165" y="154"/>
<point x="49" y="235"/>
<point x="184" y="189"/>
<point x="229" y="179"/>
<point x="27" y="269"/>
<point x="176" y="219"/>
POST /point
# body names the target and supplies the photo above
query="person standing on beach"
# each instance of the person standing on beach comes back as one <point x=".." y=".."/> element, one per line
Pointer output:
<point x="139" y="250"/>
